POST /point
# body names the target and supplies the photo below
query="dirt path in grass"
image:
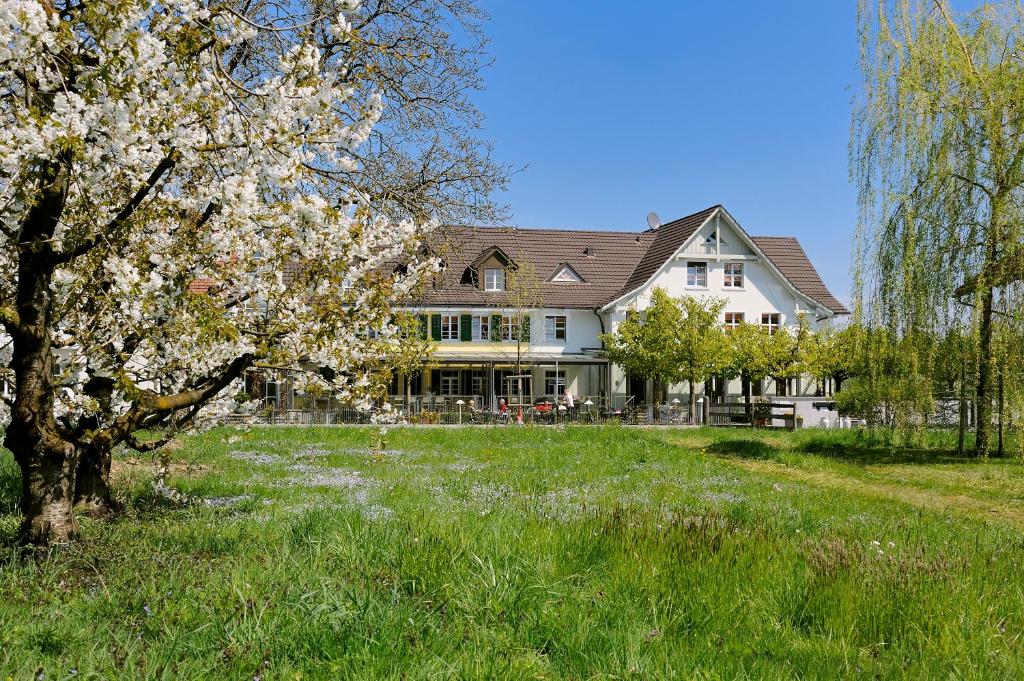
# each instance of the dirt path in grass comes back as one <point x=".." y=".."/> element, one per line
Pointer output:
<point x="933" y="501"/>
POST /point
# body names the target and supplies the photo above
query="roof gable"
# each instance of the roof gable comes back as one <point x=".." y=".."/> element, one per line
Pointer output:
<point x="667" y="239"/>
<point x="565" y="273"/>
<point x="788" y="256"/>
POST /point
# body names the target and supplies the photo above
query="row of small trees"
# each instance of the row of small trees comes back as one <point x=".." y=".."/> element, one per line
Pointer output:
<point x="682" y="339"/>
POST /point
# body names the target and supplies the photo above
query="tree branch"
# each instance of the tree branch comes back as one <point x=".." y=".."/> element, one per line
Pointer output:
<point x="123" y="215"/>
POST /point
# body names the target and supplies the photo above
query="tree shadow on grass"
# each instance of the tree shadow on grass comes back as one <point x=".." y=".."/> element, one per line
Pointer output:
<point x="869" y="452"/>
<point x="744" y="449"/>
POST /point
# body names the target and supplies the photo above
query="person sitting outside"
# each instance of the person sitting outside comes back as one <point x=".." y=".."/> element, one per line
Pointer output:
<point x="502" y="410"/>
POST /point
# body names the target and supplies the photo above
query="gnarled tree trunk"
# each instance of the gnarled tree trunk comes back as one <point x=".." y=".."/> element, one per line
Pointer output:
<point x="92" y="482"/>
<point x="46" y="459"/>
<point x="47" y="491"/>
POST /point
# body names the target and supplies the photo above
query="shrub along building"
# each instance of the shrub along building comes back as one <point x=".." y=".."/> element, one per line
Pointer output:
<point x="572" y="286"/>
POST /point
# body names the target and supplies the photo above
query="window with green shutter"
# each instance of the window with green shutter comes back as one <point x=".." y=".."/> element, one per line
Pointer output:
<point x="466" y="328"/>
<point x="524" y="328"/>
<point x="496" y="328"/>
<point x="435" y="326"/>
<point x="423" y="326"/>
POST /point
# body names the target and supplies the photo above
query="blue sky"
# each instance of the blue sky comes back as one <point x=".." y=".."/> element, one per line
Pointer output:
<point x="621" y="108"/>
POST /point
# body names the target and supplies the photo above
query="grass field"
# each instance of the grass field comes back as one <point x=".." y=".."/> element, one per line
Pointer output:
<point x="531" y="553"/>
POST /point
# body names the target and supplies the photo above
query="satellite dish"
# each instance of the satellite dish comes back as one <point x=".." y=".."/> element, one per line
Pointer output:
<point x="653" y="221"/>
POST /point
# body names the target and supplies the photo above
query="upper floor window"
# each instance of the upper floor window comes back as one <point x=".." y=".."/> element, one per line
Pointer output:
<point x="733" y="319"/>
<point x="697" y="274"/>
<point x="481" y="328"/>
<point x="512" y="325"/>
<point x="450" y="327"/>
<point x="494" y="279"/>
<point x="771" y="321"/>
<point x="733" y="275"/>
<point x="508" y="328"/>
<point x="554" y="328"/>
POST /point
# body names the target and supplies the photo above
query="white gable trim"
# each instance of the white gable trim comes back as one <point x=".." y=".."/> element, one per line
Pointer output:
<point x="815" y="306"/>
<point x="661" y="268"/>
<point x="567" y="275"/>
<point x="731" y="221"/>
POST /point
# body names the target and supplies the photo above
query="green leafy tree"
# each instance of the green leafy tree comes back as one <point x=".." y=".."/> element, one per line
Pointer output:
<point x="758" y="353"/>
<point x="939" y="156"/>
<point x="648" y="344"/>
<point x="703" y="348"/>
<point x="833" y="354"/>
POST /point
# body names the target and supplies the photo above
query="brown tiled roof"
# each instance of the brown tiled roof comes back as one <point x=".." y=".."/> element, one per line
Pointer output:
<point x="610" y="263"/>
<point x="667" y="240"/>
<point x="788" y="256"/>
<point x="613" y="255"/>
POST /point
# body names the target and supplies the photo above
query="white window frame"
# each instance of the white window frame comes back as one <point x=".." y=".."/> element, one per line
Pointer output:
<point x="449" y="380"/>
<point x="737" y="319"/>
<point x="734" y="279"/>
<point x="450" y="332"/>
<point x="494" y="279"/>
<point x="481" y="327"/>
<point x="551" y="327"/>
<point x="551" y="378"/>
<point x="693" y="272"/>
<point x="771" y="321"/>
<point x="508" y="328"/>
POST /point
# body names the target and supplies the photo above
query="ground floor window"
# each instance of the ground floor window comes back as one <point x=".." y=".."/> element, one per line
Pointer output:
<point x="733" y="320"/>
<point x="478" y="383"/>
<point x="449" y="383"/>
<point x="554" y="382"/>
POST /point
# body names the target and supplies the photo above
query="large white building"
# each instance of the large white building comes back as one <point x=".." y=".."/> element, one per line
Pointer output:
<point x="585" y="282"/>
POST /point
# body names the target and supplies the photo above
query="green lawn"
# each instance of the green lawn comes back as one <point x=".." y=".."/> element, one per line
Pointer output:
<point x="532" y="553"/>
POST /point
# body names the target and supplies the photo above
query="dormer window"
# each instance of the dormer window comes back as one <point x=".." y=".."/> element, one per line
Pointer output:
<point x="494" y="279"/>
<point x="568" y="275"/>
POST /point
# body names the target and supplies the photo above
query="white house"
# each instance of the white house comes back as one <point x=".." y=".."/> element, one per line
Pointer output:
<point x="585" y="282"/>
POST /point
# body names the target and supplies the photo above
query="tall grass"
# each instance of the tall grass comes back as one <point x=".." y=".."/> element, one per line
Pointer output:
<point x="528" y="553"/>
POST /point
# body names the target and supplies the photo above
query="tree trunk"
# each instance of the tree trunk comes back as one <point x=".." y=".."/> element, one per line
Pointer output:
<point x="984" y="424"/>
<point x="46" y="460"/>
<point x="1001" y="397"/>
<point x="962" y="429"/>
<point x="47" y="490"/>
<point x="693" y="404"/>
<point x="92" y="482"/>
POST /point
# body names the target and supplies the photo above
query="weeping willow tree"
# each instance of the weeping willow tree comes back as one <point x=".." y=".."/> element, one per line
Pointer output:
<point x="938" y="149"/>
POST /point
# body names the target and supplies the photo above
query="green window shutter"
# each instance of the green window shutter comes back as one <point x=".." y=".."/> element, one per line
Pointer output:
<point x="423" y="326"/>
<point x="496" y="328"/>
<point x="466" y="327"/>
<point x="524" y="328"/>
<point x="435" y="326"/>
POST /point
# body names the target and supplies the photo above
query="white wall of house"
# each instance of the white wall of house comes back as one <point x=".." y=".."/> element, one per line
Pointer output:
<point x="582" y="329"/>
<point x="764" y="291"/>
